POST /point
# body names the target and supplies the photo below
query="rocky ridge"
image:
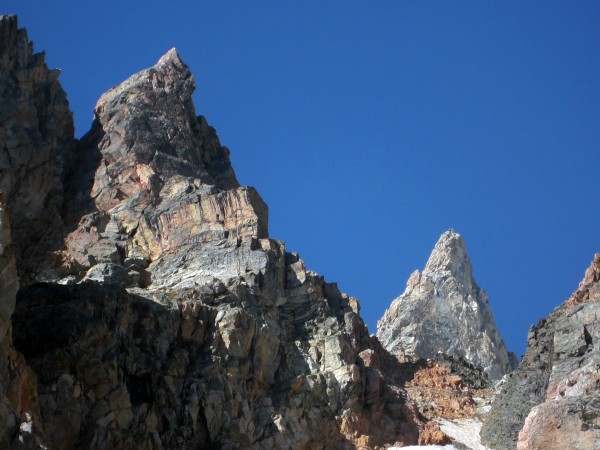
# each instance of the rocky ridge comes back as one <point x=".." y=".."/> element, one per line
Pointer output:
<point x="154" y="310"/>
<point x="443" y="310"/>
<point x="551" y="401"/>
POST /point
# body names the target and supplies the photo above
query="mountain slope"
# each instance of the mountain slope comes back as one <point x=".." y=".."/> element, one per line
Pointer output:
<point x="156" y="311"/>
<point x="551" y="401"/>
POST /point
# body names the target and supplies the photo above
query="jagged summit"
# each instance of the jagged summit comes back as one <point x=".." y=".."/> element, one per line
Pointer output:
<point x="167" y="317"/>
<point x="450" y="254"/>
<point x="159" y="182"/>
<point x="443" y="310"/>
<point x="171" y="57"/>
<point x="170" y="71"/>
<point x="36" y="138"/>
<point x="147" y="131"/>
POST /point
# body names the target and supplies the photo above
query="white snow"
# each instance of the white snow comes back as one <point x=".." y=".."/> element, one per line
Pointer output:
<point x="465" y="431"/>
<point x="430" y="447"/>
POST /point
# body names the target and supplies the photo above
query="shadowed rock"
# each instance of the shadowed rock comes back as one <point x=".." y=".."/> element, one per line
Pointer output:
<point x="36" y="141"/>
<point x="167" y="317"/>
<point x="551" y="400"/>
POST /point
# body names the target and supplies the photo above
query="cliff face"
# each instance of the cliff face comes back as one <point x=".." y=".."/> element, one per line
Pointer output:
<point x="36" y="133"/>
<point x="551" y="400"/>
<point x="154" y="309"/>
<point x="443" y="310"/>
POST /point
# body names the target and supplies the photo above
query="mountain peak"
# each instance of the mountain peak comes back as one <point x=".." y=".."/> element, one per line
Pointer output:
<point x="443" y="310"/>
<point x="171" y="57"/>
<point x="170" y="75"/>
<point x="450" y="255"/>
<point x="147" y="132"/>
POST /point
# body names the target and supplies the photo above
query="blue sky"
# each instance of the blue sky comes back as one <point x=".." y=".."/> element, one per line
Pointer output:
<point x="370" y="128"/>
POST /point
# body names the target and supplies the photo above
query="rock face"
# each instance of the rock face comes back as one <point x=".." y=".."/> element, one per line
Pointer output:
<point x="443" y="310"/>
<point x="152" y="186"/>
<point x="36" y="137"/>
<point x="18" y="388"/>
<point x="8" y="272"/>
<point x="551" y="400"/>
<point x="154" y="309"/>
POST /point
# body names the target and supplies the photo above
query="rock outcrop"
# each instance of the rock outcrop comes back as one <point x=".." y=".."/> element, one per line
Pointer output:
<point x="152" y="190"/>
<point x="551" y="401"/>
<point x="36" y="141"/>
<point x="443" y="310"/>
<point x="154" y="309"/>
<point x="8" y="272"/>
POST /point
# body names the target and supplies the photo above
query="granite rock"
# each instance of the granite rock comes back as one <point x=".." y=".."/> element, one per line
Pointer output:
<point x="152" y="187"/>
<point x="443" y="310"/>
<point x="221" y="365"/>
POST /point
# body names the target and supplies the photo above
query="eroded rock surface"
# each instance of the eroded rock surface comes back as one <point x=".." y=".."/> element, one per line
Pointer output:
<point x="219" y="366"/>
<point x="158" y="313"/>
<point x="443" y="310"/>
<point x="551" y="401"/>
<point x="9" y="280"/>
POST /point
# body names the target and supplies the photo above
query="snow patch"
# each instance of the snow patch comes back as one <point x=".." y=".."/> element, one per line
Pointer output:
<point x="464" y="431"/>
<point x="430" y="447"/>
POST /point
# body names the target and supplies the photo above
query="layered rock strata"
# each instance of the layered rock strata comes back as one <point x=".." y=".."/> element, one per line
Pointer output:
<point x="155" y="310"/>
<point x="551" y="401"/>
<point x="152" y="191"/>
<point x="443" y="310"/>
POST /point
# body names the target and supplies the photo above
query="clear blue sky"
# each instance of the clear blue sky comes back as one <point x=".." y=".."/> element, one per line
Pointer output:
<point x="372" y="127"/>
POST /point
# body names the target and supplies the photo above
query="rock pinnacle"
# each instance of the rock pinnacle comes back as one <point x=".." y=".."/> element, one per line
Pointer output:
<point x="443" y="310"/>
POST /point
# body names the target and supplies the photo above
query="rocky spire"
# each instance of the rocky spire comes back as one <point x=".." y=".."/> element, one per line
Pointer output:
<point x="151" y="179"/>
<point x="450" y="255"/>
<point x="146" y="131"/>
<point x="443" y="310"/>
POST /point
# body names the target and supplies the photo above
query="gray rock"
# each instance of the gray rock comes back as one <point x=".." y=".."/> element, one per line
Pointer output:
<point x="36" y="143"/>
<point x="191" y="328"/>
<point x="109" y="273"/>
<point x="551" y="400"/>
<point x="443" y="310"/>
